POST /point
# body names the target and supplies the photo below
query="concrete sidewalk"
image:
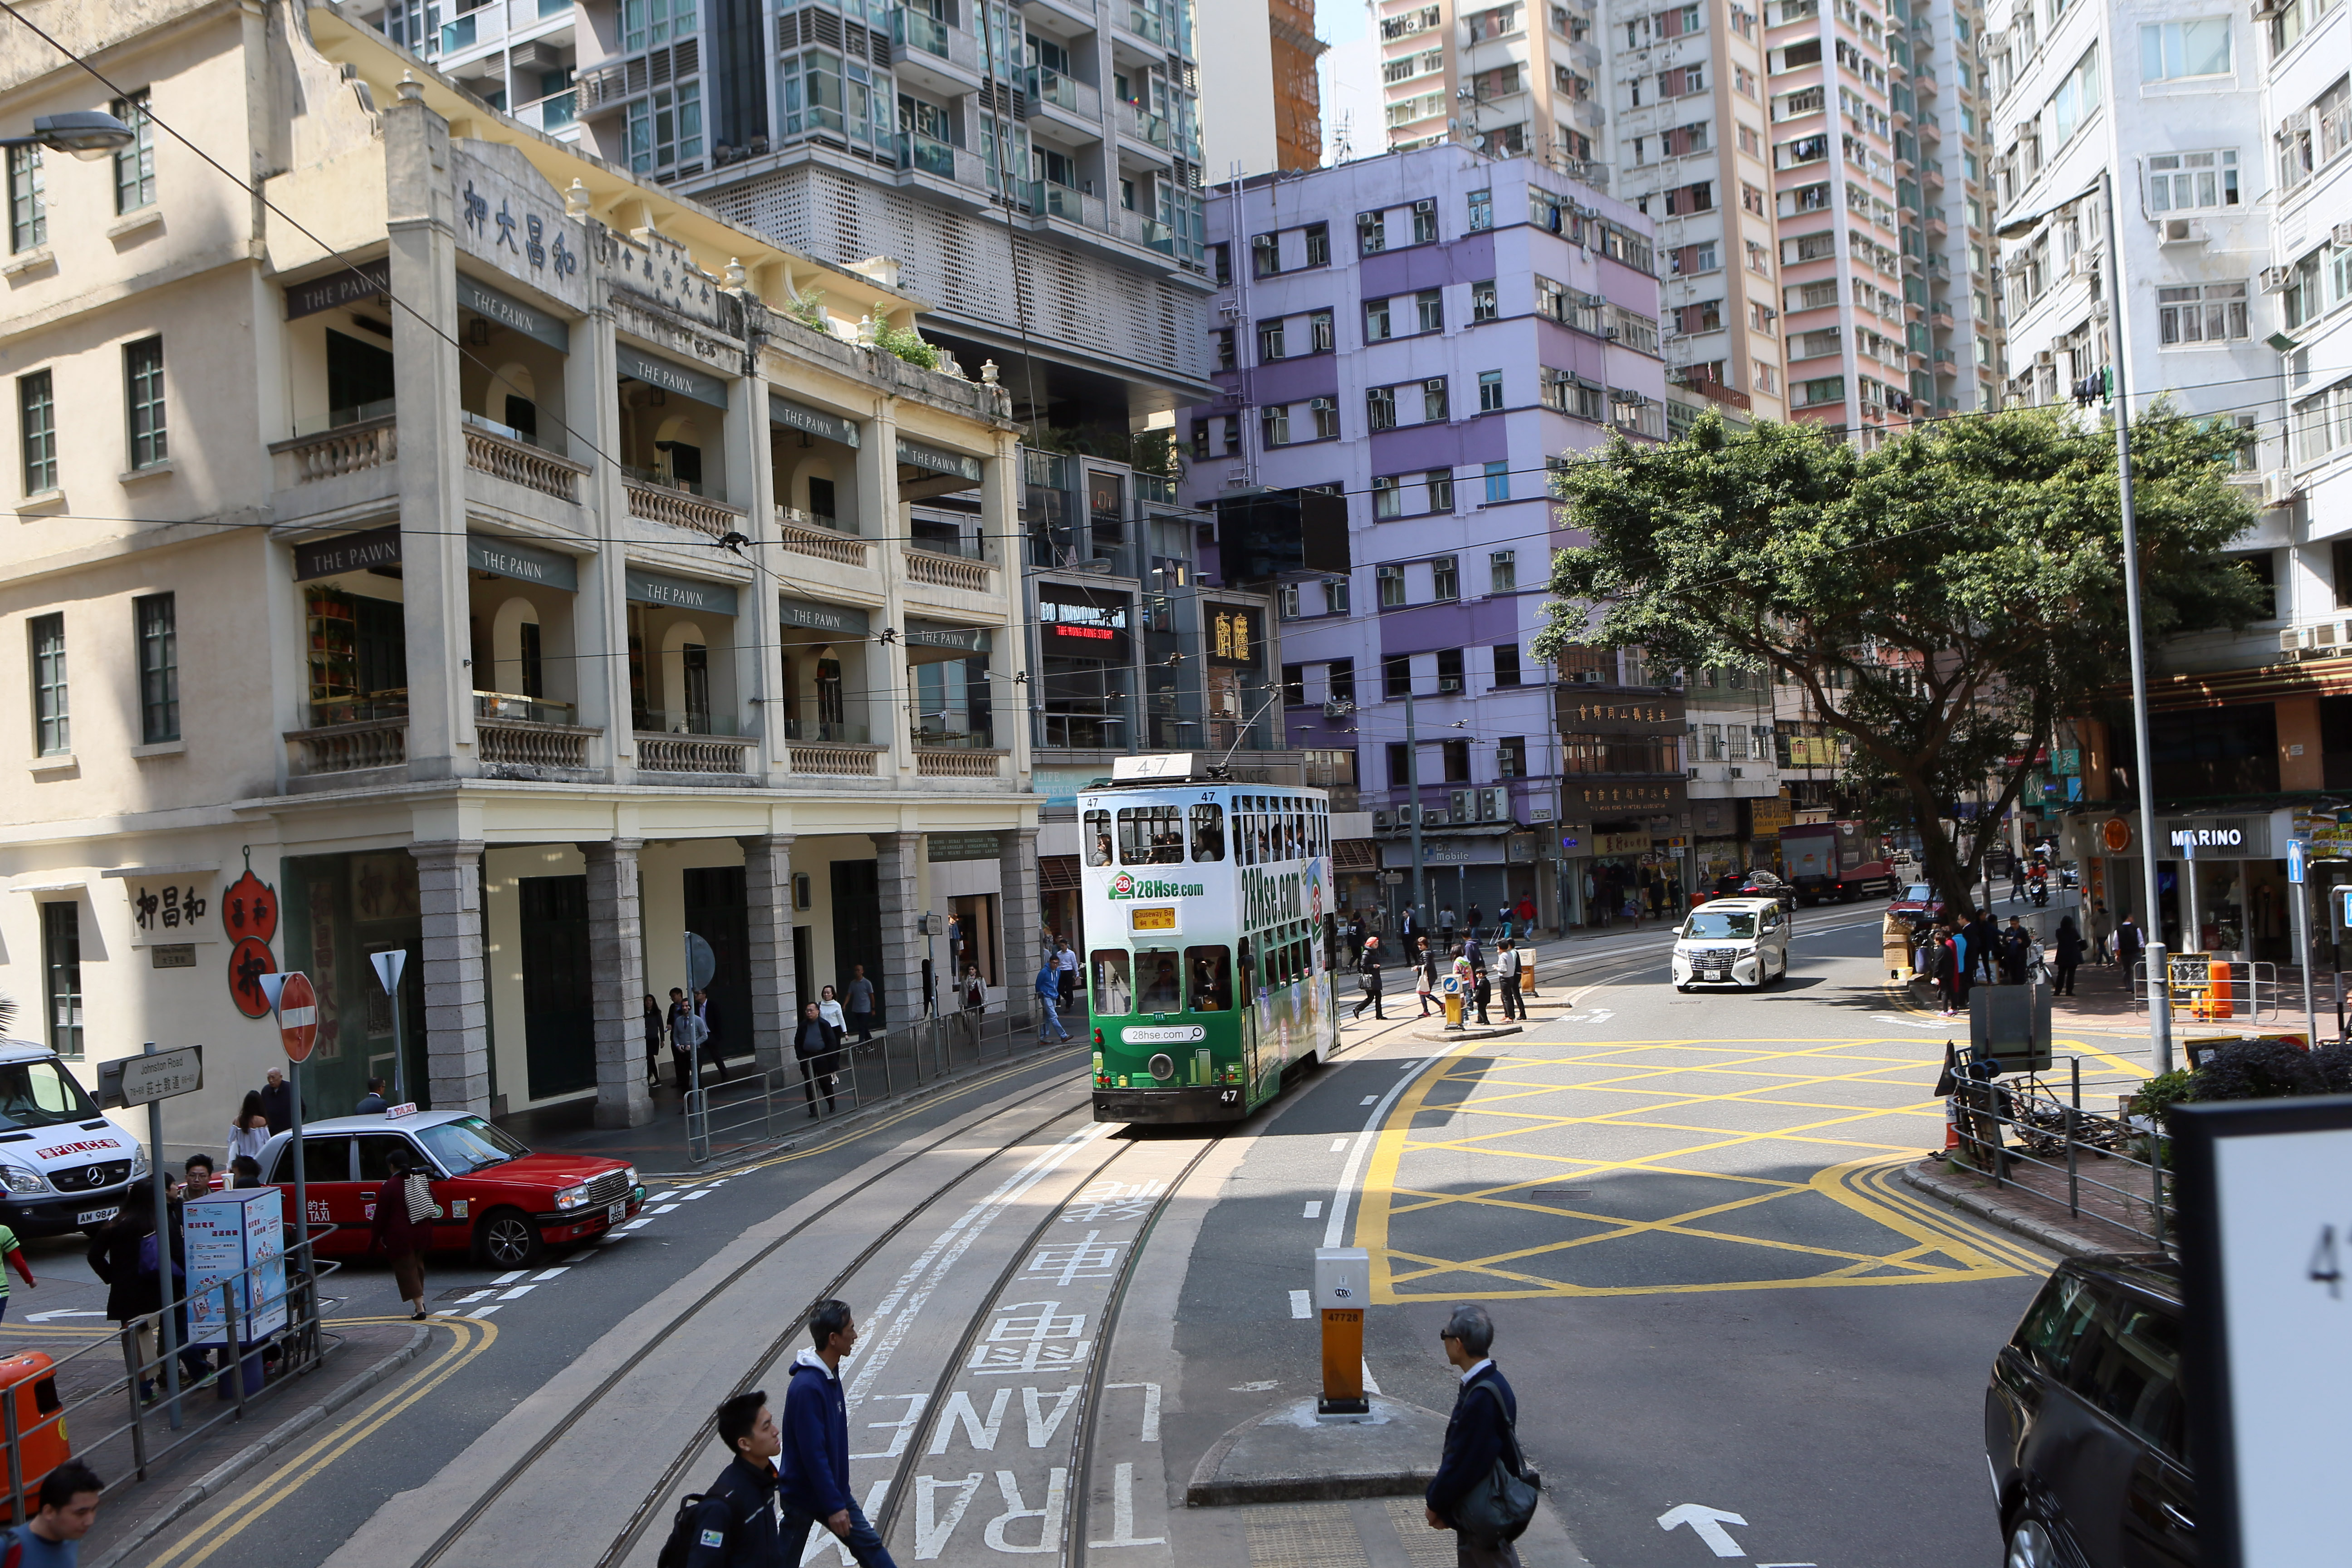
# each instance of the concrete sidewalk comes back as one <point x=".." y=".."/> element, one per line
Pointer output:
<point x="135" y="1512"/>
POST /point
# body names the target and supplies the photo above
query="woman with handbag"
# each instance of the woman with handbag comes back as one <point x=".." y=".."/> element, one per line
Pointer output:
<point x="405" y="1212"/>
<point x="1480" y="1491"/>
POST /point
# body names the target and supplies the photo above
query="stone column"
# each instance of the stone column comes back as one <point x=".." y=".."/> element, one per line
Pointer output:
<point x="456" y="1012"/>
<point x="1017" y="910"/>
<point x="900" y="983"/>
<point x="616" y="988"/>
<point x="768" y="889"/>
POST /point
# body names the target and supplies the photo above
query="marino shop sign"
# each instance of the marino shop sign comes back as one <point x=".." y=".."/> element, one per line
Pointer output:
<point x="2220" y="837"/>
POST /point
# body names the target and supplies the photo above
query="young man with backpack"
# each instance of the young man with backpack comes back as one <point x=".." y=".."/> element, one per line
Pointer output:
<point x="66" y="1506"/>
<point x="734" y="1524"/>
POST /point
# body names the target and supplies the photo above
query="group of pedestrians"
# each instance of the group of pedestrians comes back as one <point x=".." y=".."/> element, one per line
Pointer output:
<point x="1954" y="955"/>
<point x="1476" y="971"/>
<point x="694" y="1029"/>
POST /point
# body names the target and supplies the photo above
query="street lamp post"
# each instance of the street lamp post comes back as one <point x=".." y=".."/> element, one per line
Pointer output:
<point x="2159" y="1006"/>
<point x="87" y="133"/>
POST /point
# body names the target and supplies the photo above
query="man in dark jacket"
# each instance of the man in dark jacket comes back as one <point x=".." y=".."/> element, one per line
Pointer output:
<point x="277" y="1101"/>
<point x="1479" y="1432"/>
<point x="736" y="1525"/>
<point x="816" y="1445"/>
<point x="815" y="1043"/>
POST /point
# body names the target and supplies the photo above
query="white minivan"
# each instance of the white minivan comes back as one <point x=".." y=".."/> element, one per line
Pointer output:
<point x="64" y="1164"/>
<point x="1732" y="941"/>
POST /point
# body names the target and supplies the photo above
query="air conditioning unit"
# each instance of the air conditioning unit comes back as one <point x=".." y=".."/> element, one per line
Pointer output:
<point x="2045" y="357"/>
<point x="2182" y="231"/>
<point x="2278" y="487"/>
<point x="1383" y="821"/>
<point x="1404" y="815"/>
<point x="2295" y="639"/>
<point x="1463" y="805"/>
<point x="2295" y="124"/>
<point x="1449" y="685"/>
<point x="1495" y="804"/>
<point x="2340" y="236"/>
<point x="2274" y="279"/>
<point x="1338" y="710"/>
<point x="1592" y="301"/>
<point x="1434" y="819"/>
<point x="1426" y="205"/>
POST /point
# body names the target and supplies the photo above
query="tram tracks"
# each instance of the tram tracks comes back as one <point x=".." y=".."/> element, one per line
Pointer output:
<point x="635" y="1528"/>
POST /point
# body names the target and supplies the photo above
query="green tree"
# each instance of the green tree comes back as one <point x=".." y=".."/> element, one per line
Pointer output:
<point x="1942" y="600"/>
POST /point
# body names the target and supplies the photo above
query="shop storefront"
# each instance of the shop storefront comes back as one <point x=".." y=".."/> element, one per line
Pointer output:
<point x="1085" y="665"/>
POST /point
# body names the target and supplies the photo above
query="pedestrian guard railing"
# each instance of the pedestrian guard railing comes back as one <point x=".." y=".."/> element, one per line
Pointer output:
<point x="2213" y="990"/>
<point x="260" y="1330"/>
<point x="2117" y="1168"/>
<point x="764" y="1106"/>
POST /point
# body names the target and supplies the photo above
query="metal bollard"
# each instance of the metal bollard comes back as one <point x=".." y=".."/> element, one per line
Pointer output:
<point x="234" y="1335"/>
<point x="2073" y="1203"/>
<point x="131" y="1387"/>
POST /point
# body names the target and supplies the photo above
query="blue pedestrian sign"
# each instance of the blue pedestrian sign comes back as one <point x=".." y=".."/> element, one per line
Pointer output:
<point x="2294" y="860"/>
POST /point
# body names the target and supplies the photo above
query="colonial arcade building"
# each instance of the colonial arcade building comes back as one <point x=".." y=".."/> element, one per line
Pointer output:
<point x="467" y="550"/>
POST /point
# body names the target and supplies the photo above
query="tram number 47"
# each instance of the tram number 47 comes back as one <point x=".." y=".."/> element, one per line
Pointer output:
<point x="1229" y="1097"/>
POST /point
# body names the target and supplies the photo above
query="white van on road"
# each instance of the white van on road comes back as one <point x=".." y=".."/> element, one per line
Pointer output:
<point x="64" y="1164"/>
<point x="1733" y="942"/>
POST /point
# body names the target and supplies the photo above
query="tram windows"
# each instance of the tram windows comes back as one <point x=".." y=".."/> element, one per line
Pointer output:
<point x="1150" y="835"/>
<point x="1114" y="983"/>
<point x="1156" y="971"/>
<point x="1208" y="831"/>
<point x="1210" y="972"/>
<point x="1099" y="838"/>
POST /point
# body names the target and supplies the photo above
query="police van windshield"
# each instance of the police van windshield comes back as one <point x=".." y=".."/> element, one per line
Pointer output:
<point x="41" y="1093"/>
<point x="1735" y="924"/>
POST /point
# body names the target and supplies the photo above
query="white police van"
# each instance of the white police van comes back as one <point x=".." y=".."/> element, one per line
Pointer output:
<point x="64" y="1164"/>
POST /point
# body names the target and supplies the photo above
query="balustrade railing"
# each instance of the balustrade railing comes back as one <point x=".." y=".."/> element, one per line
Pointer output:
<point x="836" y="761"/>
<point x="519" y="743"/>
<point x="346" y="449"/>
<point x="933" y="762"/>
<point x="806" y="539"/>
<point x="662" y="753"/>
<point x="523" y="464"/>
<point x="349" y="748"/>
<point x="948" y="571"/>
<point x="659" y="503"/>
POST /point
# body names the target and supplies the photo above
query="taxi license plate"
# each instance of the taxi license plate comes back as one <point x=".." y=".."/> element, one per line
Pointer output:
<point x="96" y="1216"/>
<point x="615" y="1213"/>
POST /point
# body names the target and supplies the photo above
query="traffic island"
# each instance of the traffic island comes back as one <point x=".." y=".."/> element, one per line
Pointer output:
<point x="1467" y="1032"/>
<point x="1289" y="1455"/>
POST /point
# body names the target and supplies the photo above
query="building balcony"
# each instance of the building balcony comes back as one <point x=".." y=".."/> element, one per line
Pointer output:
<point x="951" y="165"/>
<point x="667" y="752"/>
<point x="803" y="533"/>
<point x="958" y="573"/>
<point x="502" y="453"/>
<point x="1137" y="24"/>
<point x="366" y="747"/>
<point x="352" y="446"/>
<point x="1051" y="90"/>
<point x="938" y="762"/>
<point x="530" y="733"/>
<point x="1137" y="124"/>
<point x="655" y="502"/>
<point x="929" y="53"/>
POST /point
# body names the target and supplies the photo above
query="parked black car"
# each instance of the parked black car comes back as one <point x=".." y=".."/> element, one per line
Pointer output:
<point x="2086" y="1428"/>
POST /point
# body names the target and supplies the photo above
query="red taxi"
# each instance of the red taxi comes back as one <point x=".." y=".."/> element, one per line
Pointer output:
<point x="498" y="1200"/>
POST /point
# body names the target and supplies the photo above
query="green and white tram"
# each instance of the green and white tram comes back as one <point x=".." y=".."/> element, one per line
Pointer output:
<point x="1209" y="960"/>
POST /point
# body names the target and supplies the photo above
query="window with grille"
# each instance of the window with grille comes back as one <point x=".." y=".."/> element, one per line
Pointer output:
<point x="143" y="383"/>
<point x="1445" y="579"/>
<point x="2200" y="313"/>
<point x="29" y="210"/>
<point x="1379" y="407"/>
<point x="37" y="427"/>
<point x="159" y="667"/>
<point x="52" y="725"/>
<point x="1326" y="413"/>
<point x="1320" y="338"/>
<point x="61" y="975"/>
<point x="134" y="165"/>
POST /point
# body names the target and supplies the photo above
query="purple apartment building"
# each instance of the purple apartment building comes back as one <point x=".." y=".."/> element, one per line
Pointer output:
<point x="1426" y="333"/>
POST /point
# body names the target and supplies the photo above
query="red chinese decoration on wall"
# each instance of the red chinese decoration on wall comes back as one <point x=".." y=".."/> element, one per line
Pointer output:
<point x="249" y="915"/>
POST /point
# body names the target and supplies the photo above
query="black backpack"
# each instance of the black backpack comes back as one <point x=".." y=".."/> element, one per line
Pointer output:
<point x="681" y="1543"/>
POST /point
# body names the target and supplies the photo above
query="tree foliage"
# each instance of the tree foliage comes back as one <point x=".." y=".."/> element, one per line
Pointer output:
<point x="1942" y="600"/>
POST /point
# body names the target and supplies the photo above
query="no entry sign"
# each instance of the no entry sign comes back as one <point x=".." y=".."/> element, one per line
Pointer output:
<point x="296" y="1004"/>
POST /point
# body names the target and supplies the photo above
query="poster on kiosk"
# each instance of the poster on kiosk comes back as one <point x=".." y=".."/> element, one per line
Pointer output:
<point x="235" y="1238"/>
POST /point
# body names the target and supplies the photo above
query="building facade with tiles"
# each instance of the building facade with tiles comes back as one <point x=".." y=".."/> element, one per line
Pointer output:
<point x="467" y="550"/>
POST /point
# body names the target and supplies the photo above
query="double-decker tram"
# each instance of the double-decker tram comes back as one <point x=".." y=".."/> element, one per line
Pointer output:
<point x="1209" y="959"/>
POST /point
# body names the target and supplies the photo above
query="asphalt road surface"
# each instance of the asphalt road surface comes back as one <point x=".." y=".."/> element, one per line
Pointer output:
<point x="1728" y="1325"/>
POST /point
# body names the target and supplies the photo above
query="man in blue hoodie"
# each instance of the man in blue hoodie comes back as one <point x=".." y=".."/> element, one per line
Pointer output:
<point x="815" y="1461"/>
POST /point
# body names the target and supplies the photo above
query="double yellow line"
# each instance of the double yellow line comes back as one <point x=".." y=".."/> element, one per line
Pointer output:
<point x="469" y="1337"/>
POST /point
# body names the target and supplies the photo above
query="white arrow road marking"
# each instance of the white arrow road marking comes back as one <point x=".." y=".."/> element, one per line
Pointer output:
<point x="63" y="1312"/>
<point x="1600" y="1016"/>
<point x="1707" y="1523"/>
<point x="1298" y="1304"/>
